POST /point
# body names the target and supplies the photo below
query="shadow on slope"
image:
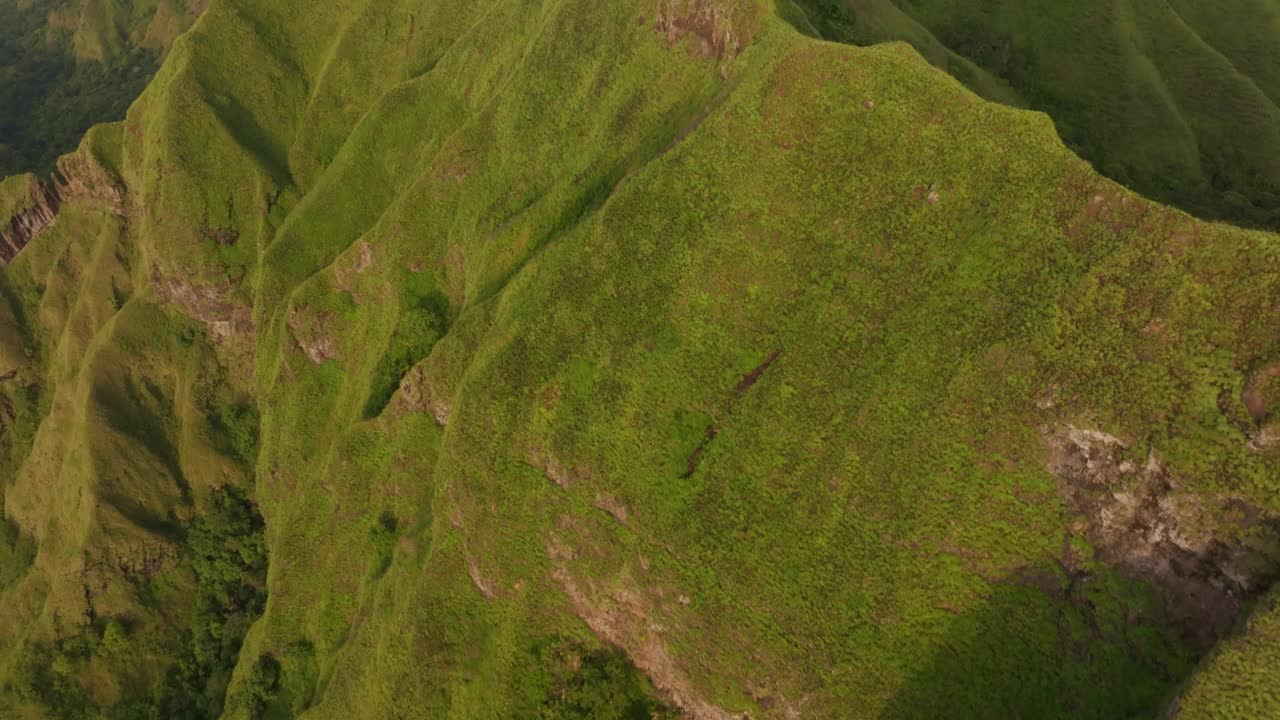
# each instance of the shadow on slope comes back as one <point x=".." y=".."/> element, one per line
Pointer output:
<point x="141" y="413"/>
<point x="1046" y="645"/>
<point x="17" y="552"/>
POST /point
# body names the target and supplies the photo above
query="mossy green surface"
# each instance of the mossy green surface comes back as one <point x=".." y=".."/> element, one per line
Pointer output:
<point x="547" y="331"/>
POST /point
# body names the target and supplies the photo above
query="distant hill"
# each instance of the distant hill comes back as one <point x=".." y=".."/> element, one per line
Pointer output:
<point x="68" y="64"/>
<point x="1174" y="98"/>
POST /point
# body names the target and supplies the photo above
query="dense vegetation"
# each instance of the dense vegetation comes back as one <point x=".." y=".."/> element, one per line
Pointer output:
<point x="579" y="684"/>
<point x="229" y="557"/>
<point x="226" y="551"/>
<point x="16" y="553"/>
<point x="66" y="65"/>
<point x="627" y="359"/>
<point x="1175" y="98"/>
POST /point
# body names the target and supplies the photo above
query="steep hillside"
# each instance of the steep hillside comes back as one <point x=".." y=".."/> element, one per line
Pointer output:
<point x="68" y="64"/>
<point x="1242" y="679"/>
<point x="650" y="358"/>
<point x="1175" y="98"/>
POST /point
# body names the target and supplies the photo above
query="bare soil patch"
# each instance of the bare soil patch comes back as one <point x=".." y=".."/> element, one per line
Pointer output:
<point x="709" y="23"/>
<point x="1254" y="395"/>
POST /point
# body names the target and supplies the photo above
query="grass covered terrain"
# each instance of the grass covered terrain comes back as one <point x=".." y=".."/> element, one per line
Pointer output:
<point x="68" y="64"/>
<point x="1240" y="680"/>
<point x="1176" y="98"/>
<point x="621" y="360"/>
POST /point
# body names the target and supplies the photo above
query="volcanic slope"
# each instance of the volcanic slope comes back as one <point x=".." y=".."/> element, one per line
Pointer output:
<point x="430" y="358"/>
<point x="1175" y="98"/>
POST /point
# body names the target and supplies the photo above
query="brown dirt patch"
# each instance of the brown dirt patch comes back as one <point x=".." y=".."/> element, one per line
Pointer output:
<point x="224" y="236"/>
<point x="310" y="332"/>
<point x="709" y="23"/>
<point x="1180" y="240"/>
<point x="1254" y="395"/>
<point x="364" y="257"/>
<point x="350" y="266"/>
<point x="419" y="394"/>
<point x="611" y="504"/>
<point x="211" y="304"/>
<point x="1268" y="438"/>
<point x="557" y="472"/>
<point x="1107" y="207"/>
<point x="481" y="583"/>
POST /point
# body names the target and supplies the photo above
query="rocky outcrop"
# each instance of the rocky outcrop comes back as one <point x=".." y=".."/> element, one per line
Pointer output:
<point x="709" y="23"/>
<point x="1206" y="554"/>
<point x="76" y="177"/>
<point x="80" y="175"/>
<point x="210" y="303"/>
<point x="41" y="212"/>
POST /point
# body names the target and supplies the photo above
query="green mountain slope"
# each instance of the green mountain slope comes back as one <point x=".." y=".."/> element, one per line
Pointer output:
<point x="68" y="64"/>
<point x="1176" y="98"/>
<point x="1240" y="680"/>
<point x="617" y="360"/>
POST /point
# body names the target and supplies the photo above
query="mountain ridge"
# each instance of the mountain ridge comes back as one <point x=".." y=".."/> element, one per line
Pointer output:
<point x="1167" y="98"/>
<point x="863" y="301"/>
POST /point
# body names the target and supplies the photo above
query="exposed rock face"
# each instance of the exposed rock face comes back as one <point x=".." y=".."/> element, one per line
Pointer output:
<point x="29" y="222"/>
<point x="1205" y="554"/>
<point x="76" y="177"/>
<point x="311" y="332"/>
<point x="633" y="611"/>
<point x="418" y="394"/>
<point x="80" y="176"/>
<point x="211" y="304"/>
<point x="706" y="21"/>
<point x="719" y="29"/>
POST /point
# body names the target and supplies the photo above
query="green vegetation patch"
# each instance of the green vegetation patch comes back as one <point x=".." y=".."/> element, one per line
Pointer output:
<point x="226" y="551"/>
<point x="17" y="551"/>
<point x="229" y="558"/>
<point x="1242" y="678"/>
<point x="580" y="684"/>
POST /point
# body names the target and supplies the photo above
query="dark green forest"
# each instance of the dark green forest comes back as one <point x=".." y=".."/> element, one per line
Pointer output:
<point x="49" y="98"/>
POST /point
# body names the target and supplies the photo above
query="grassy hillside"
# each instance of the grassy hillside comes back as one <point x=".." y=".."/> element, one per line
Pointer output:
<point x="1175" y="98"/>
<point x="1240" y="680"/>
<point x="68" y="64"/>
<point x="569" y="359"/>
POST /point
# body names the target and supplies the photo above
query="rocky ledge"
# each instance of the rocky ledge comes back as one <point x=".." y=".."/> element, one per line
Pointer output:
<point x="75" y="177"/>
<point x="39" y="214"/>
